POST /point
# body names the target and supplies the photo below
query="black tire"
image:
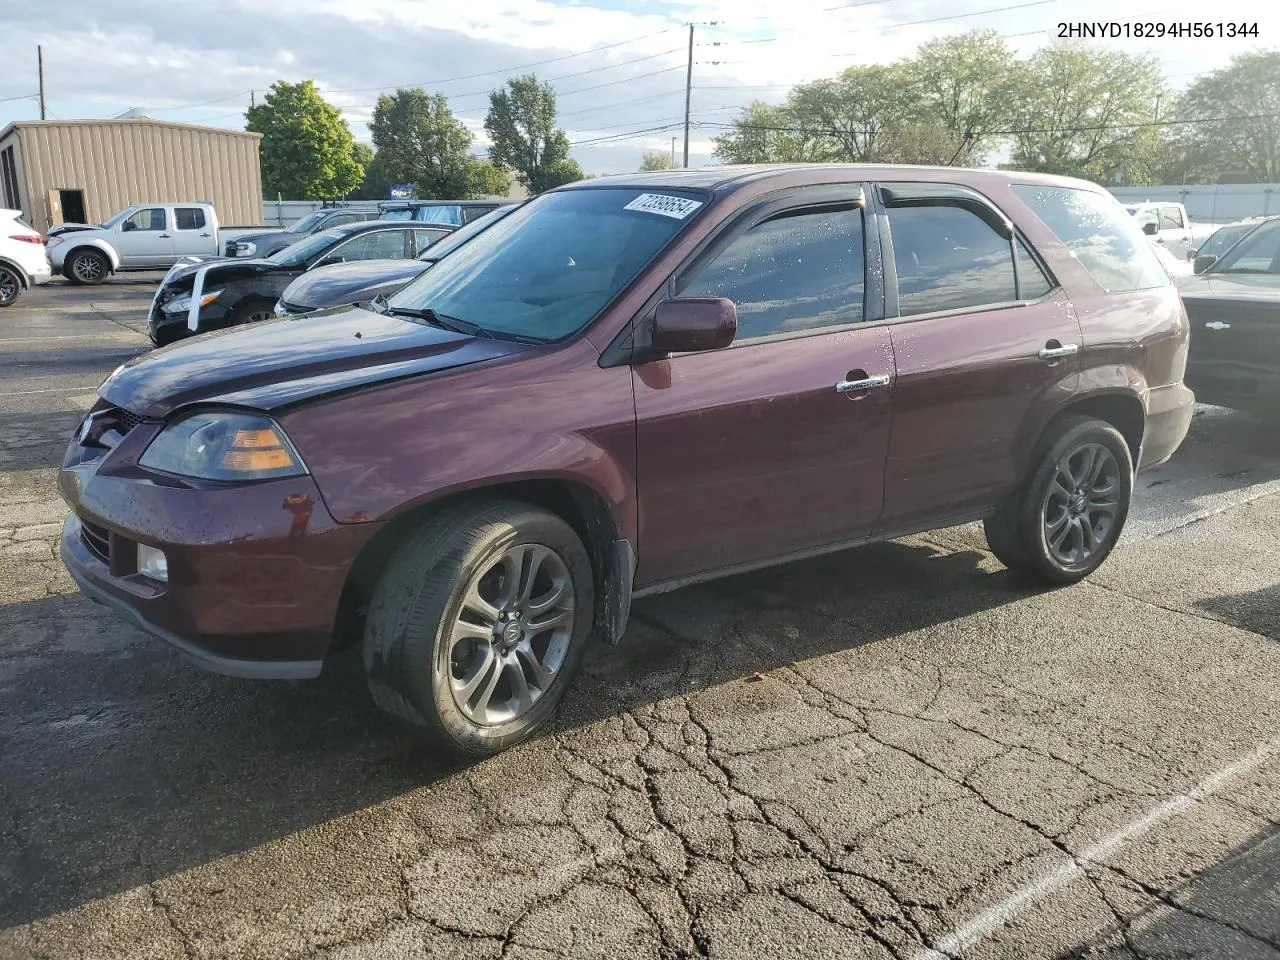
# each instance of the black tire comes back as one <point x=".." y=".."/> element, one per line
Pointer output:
<point x="253" y="310"/>
<point x="10" y="285"/>
<point x="86" y="267"/>
<point x="419" y="598"/>
<point x="1019" y="532"/>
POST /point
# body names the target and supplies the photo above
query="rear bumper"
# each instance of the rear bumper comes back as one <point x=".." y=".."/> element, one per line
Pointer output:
<point x="1169" y="412"/>
<point x="40" y="273"/>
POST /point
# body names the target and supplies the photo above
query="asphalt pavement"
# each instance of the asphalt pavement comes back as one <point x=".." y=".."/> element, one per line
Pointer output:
<point x="900" y="751"/>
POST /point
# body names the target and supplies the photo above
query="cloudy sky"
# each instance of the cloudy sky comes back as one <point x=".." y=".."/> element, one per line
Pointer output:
<point x="617" y="65"/>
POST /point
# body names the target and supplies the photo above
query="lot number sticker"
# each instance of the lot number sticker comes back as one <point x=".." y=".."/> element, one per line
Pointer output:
<point x="675" y="207"/>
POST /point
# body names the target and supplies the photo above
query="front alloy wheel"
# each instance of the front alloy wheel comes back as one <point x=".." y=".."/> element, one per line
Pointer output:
<point x="478" y="623"/>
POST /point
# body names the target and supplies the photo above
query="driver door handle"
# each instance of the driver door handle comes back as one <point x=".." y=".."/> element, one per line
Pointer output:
<point x="164" y="236"/>
<point x="864" y="383"/>
<point x="1050" y="352"/>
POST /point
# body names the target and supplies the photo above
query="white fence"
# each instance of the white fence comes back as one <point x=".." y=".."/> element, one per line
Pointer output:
<point x="1210" y="203"/>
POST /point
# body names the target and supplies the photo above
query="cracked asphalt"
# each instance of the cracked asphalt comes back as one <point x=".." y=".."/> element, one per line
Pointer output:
<point x="901" y="751"/>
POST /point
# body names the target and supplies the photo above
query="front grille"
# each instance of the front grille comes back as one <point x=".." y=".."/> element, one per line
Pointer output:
<point x="97" y="540"/>
<point x="126" y="420"/>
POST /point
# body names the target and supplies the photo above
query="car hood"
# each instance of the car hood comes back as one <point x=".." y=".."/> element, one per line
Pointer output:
<point x="283" y="362"/>
<point x="62" y="228"/>
<point x="268" y="235"/>
<point x="1232" y="286"/>
<point x="328" y="285"/>
<point x="219" y="270"/>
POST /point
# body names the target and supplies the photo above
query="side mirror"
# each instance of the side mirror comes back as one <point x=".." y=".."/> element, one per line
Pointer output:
<point x="694" y="323"/>
<point x="127" y="226"/>
<point x="1150" y="229"/>
<point x="331" y="260"/>
<point x="1205" y="261"/>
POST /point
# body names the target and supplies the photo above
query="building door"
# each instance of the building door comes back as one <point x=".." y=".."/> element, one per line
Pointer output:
<point x="72" y="206"/>
<point x="55" y="207"/>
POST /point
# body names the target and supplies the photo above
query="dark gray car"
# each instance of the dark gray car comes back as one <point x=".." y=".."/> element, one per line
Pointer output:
<point x="266" y="243"/>
<point x="344" y="283"/>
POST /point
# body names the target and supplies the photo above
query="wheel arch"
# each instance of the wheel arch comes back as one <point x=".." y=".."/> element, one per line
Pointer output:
<point x="96" y="245"/>
<point x="1123" y="409"/>
<point x="23" y="277"/>
<point x="574" y="501"/>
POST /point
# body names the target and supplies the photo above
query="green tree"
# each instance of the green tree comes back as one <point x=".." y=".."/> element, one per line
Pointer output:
<point x="521" y="124"/>
<point x="307" y="150"/>
<point x="1217" y="142"/>
<point x="767" y="134"/>
<point x="656" y="160"/>
<point x="965" y="84"/>
<point x="420" y="141"/>
<point x="1080" y="110"/>
<point x="486" y="179"/>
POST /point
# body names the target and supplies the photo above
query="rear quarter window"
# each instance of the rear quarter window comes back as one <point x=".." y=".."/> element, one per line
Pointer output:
<point x="1100" y="235"/>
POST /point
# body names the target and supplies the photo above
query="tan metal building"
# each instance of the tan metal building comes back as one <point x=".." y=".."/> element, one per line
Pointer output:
<point x="82" y="171"/>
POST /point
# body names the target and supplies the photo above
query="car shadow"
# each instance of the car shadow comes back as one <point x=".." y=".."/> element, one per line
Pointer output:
<point x="1257" y="611"/>
<point x="1228" y="910"/>
<point x="121" y="763"/>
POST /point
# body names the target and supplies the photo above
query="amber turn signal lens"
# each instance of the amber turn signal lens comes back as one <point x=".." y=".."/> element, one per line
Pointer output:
<point x="252" y="451"/>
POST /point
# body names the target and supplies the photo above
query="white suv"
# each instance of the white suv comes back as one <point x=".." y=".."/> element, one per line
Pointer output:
<point x="23" y="262"/>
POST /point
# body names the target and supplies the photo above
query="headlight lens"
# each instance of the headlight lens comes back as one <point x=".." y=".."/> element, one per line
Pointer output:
<point x="246" y="249"/>
<point x="183" y="304"/>
<point x="224" y="446"/>
<point x="53" y="241"/>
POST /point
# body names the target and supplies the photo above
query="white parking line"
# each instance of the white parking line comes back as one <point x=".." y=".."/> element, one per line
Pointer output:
<point x="74" y="336"/>
<point x="989" y="921"/>
<point x="28" y="393"/>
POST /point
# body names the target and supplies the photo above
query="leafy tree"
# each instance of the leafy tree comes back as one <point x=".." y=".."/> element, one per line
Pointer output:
<point x="521" y="124"/>
<point x="965" y="83"/>
<point x="307" y="150"/>
<point x="486" y="179"/>
<point x="1249" y="87"/>
<point x="656" y="160"/>
<point x="1080" y="110"/>
<point x="767" y="134"/>
<point x="420" y="141"/>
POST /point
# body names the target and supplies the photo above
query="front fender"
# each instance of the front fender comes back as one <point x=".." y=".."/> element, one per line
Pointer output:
<point x="78" y="241"/>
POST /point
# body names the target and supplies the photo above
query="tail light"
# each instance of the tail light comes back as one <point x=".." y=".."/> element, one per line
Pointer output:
<point x="28" y="238"/>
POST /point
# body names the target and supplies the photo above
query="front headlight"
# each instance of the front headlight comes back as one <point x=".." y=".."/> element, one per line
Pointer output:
<point x="183" y="304"/>
<point x="224" y="446"/>
<point x="53" y="241"/>
<point x="246" y="249"/>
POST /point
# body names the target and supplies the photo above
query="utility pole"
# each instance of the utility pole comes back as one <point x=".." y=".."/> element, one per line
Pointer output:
<point x="688" y="96"/>
<point x="40" y="68"/>
<point x="673" y="151"/>
<point x="252" y="102"/>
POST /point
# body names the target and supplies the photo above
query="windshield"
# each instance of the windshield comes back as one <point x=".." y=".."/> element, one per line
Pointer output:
<point x="460" y="236"/>
<point x="298" y="253"/>
<point x="548" y="268"/>
<point x="306" y="223"/>
<point x="127" y="211"/>
<point x="1222" y="238"/>
<point x="1259" y="252"/>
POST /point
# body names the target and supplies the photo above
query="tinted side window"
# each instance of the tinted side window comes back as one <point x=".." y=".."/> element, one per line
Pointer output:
<point x="948" y="258"/>
<point x="1170" y="218"/>
<point x="188" y="218"/>
<point x="1032" y="283"/>
<point x="339" y="219"/>
<point x="795" y="272"/>
<point x="1095" y="228"/>
<point x="425" y="238"/>
<point x="379" y="245"/>
<point x="151" y="218"/>
<point x="1257" y="253"/>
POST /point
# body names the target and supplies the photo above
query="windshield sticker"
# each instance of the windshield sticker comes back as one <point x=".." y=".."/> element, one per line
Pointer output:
<point x="675" y="207"/>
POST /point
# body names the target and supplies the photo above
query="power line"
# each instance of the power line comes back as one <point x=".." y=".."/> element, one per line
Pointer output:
<point x="628" y="135"/>
<point x="963" y="16"/>
<point x="519" y="66"/>
<point x="205" y="103"/>
<point x="25" y="96"/>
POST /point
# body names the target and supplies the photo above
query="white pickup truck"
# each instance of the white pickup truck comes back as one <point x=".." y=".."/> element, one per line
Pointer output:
<point x="1168" y="225"/>
<point x="141" y="237"/>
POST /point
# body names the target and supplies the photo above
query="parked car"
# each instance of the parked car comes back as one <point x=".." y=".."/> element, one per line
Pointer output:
<point x="344" y="283"/>
<point x="1234" y="305"/>
<point x="141" y="237"/>
<point x="267" y="242"/>
<point x="23" y="263"/>
<point x="456" y="212"/>
<point x="1168" y="225"/>
<point x="200" y="297"/>
<point x="1222" y="239"/>
<point x="627" y="385"/>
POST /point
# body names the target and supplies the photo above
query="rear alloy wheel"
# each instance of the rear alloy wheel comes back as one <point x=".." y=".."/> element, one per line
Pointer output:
<point x="478" y="624"/>
<point x="10" y="285"/>
<point x="1066" y="518"/>
<point x="88" y="267"/>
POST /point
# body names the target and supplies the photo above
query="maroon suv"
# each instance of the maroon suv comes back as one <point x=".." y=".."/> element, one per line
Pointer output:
<point x="628" y="385"/>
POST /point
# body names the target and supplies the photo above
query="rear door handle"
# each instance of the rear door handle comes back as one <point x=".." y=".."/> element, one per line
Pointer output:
<point x="204" y="234"/>
<point x="1063" y="350"/>
<point x="165" y="236"/>
<point x="1218" y="325"/>
<point x="865" y="383"/>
